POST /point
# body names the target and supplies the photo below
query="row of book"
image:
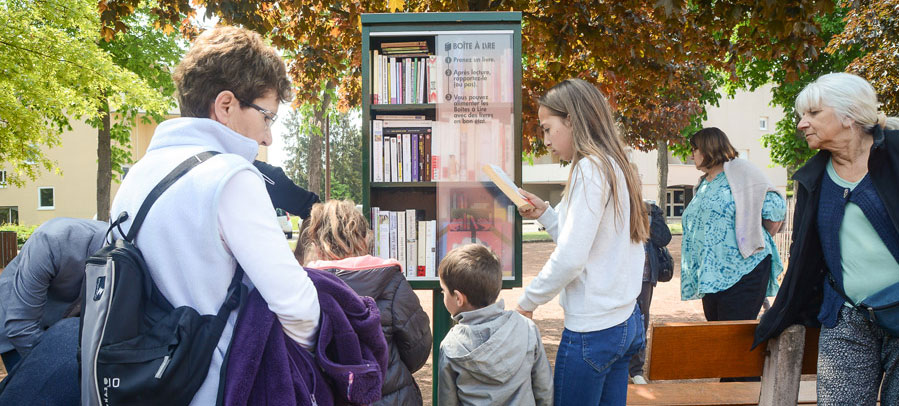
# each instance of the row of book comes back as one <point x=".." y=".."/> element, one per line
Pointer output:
<point x="401" y="151"/>
<point x="404" y="236"/>
<point x="403" y="78"/>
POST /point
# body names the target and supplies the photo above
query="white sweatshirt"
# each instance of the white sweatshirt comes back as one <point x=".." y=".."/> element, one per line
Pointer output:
<point x="216" y="216"/>
<point x="595" y="266"/>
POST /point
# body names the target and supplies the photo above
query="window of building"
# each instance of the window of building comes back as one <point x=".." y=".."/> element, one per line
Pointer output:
<point x="763" y="123"/>
<point x="45" y="198"/>
<point x="9" y="214"/>
<point x="2" y="179"/>
<point x="675" y="202"/>
<point x="743" y="153"/>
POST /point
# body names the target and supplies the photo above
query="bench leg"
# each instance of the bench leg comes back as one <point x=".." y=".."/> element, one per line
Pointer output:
<point x="783" y="368"/>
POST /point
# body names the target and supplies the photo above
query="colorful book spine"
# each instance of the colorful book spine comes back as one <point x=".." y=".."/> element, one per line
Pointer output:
<point x="393" y="234"/>
<point x="394" y="170"/>
<point x="431" y="253"/>
<point x="377" y="153"/>
<point x="384" y="234"/>
<point x="407" y="157"/>
<point x="415" y="155"/>
<point x="422" y="249"/>
<point x="411" y="243"/>
<point x="401" y="239"/>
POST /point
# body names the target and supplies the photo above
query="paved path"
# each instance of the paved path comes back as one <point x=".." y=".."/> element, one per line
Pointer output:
<point x="666" y="304"/>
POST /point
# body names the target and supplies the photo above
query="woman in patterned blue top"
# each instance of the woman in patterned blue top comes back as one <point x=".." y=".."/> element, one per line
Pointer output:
<point x="732" y="286"/>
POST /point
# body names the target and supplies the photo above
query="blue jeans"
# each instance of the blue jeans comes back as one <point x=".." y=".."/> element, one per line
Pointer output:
<point x="591" y="368"/>
<point x="48" y="375"/>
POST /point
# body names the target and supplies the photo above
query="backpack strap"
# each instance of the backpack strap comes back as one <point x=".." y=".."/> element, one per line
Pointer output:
<point x="164" y="184"/>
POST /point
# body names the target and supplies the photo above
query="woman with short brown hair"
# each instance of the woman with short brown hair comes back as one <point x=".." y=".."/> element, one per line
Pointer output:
<point x="729" y="258"/>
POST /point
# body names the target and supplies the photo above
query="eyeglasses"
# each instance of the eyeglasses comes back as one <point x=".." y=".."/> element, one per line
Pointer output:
<point x="270" y="116"/>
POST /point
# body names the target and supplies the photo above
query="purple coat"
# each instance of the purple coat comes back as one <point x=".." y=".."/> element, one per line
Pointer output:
<point x="266" y="367"/>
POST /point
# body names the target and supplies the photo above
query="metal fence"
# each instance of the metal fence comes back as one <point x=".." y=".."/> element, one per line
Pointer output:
<point x="782" y="239"/>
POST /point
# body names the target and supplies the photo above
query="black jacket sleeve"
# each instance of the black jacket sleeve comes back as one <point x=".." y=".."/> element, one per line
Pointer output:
<point x="412" y="328"/>
<point x="284" y="193"/>
<point x="658" y="229"/>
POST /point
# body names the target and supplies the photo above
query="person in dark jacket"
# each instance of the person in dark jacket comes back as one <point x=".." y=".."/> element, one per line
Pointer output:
<point x="336" y="238"/>
<point x="41" y="285"/>
<point x="659" y="237"/>
<point x="845" y="238"/>
<point x="284" y="193"/>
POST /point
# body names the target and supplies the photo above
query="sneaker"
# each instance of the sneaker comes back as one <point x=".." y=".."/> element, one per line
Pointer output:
<point x="639" y="380"/>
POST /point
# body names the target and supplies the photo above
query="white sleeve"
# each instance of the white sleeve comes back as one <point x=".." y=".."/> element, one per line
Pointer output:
<point x="550" y="221"/>
<point x="250" y="230"/>
<point x="586" y="201"/>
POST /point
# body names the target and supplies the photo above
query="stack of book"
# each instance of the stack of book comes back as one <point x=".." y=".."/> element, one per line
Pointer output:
<point x="403" y="73"/>
<point x="403" y="236"/>
<point x="401" y="149"/>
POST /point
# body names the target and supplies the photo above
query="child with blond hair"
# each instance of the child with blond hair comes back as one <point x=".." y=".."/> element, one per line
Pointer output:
<point x="336" y="238"/>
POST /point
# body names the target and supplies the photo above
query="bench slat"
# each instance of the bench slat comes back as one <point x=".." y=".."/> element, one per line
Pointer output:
<point x="716" y="349"/>
<point x="707" y="394"/>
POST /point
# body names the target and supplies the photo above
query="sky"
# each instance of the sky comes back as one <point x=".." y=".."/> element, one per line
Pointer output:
<point x="276" y="153"/>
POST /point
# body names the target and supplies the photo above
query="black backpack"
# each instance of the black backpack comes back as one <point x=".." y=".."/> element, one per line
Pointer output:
<point x="135" y="348"/>
<point x="666" y="264"/>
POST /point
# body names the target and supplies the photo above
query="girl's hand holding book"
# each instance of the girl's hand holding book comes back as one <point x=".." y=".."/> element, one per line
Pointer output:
<point x="539" y="206"/>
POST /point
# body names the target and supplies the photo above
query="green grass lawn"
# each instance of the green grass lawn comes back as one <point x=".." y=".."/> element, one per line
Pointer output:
<point x="676" y="229"/>
<point x="536" y="236"/>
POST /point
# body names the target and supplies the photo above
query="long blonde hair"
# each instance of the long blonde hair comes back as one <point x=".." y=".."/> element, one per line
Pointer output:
<point x="595" y="137"/>
<point x="334" y="230"/>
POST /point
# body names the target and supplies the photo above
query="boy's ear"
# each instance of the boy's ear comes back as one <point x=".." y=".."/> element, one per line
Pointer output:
<point x="460" y="298"/>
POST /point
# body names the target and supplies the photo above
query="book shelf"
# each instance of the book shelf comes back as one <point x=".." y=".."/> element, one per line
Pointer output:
<point x="462" y="74"/>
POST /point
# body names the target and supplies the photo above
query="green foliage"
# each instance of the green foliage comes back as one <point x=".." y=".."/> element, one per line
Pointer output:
<point x="346" y="155"/>
<point x="52" y="69"/>
<point x="346" y="150"/>
<point x="788" y="147"/>
<point x="151" y="54"/>
<point x="23" y="232"/>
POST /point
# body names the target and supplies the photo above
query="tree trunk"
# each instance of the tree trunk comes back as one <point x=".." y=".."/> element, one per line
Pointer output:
<point x="662" y="163"/>
<point x="315" y="144"/>
<point x="104" y="164"/>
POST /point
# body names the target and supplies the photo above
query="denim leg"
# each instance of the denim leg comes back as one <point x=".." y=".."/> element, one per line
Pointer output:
<point x="635" y="367"/>
<point x="574" y="382"/>
<point x="591" y="368"/>
<point x="615" y="389"/>
<point x="48" y="375"/>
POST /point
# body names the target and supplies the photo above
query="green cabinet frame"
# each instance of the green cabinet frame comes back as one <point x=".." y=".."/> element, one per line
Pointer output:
<point x="428" y="25"/>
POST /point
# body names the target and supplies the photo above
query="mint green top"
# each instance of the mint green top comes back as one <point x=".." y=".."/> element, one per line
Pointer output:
<point x="867" y="263"/>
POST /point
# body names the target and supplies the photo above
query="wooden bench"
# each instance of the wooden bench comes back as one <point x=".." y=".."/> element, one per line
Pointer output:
<point x="721" y="350"/>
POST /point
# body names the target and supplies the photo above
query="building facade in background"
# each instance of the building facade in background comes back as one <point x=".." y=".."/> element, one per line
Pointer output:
<point x="744" y="118"/>
<point x="73" y="191"/>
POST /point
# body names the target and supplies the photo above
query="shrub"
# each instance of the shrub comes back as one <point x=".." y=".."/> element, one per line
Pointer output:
<point x="22" y="232"/>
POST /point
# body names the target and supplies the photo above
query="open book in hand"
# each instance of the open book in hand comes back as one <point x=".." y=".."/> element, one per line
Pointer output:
<point x="502" y="180"/>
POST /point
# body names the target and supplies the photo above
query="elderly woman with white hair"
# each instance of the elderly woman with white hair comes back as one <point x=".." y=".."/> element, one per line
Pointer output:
<point x="844" y="261"/>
